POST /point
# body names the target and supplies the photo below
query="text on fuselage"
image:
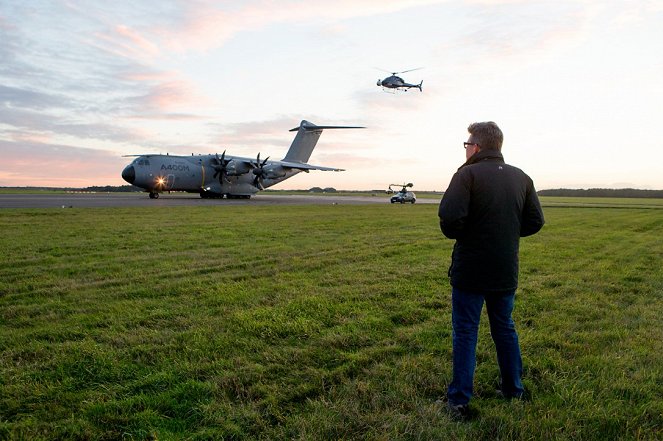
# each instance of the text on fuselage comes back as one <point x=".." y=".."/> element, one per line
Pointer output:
<point x="176" y="167"/>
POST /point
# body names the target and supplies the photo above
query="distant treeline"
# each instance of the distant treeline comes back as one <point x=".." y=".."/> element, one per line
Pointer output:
<point x="110" y="188"/>
<point x="322" y="190"/>
<point x="603" y="193"/>
<point x="93" y="189"/>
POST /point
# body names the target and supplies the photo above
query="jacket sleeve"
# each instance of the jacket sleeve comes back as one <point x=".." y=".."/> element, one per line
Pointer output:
<point x="532" y="220"/>
<point x="454" y="206"/>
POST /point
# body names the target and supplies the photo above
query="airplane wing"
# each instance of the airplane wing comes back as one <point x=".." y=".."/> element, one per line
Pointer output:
<point x="287" y="164"/>
<point x="306" y="167"/>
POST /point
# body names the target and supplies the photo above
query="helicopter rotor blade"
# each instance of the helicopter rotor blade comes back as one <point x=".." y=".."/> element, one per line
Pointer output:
<point x="410" y="70"/>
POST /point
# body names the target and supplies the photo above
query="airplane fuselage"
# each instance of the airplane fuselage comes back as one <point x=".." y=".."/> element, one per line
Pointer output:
<point x="196" y="174"/>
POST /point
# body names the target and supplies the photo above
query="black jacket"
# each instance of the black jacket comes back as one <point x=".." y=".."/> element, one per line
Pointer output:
<point x="487" y="208"/>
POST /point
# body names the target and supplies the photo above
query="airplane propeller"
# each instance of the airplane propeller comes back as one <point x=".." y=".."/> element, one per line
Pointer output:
<point x="220" y="169"/>
<point x="259" y="172"/>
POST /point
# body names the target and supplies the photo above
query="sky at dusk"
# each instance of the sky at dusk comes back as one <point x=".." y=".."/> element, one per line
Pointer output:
<point x="576" y="86"/>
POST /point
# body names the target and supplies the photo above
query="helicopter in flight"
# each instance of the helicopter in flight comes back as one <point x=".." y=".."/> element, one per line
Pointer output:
<point x="233" y="177"/>
<point x="395" y="82"/>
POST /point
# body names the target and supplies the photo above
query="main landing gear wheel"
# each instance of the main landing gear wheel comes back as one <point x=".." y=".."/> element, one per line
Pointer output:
<point x="154" y="195"/>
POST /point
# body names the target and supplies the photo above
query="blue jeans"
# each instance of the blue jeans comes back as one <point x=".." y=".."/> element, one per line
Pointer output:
<point x="465" y="316"/>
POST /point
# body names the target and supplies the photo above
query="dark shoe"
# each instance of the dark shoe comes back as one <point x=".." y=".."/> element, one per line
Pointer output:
<point x="459" y="412"/>
<point x="522" y="397"/>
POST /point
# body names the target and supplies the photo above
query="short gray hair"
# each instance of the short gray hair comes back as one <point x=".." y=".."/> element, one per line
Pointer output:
<point x="487" y="135"/>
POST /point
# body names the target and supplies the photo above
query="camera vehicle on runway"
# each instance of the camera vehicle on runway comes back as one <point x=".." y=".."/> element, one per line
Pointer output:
<point x="404" y="195"/>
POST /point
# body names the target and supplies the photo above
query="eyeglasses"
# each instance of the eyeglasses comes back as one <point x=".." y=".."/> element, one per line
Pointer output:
<point x="467" y="144"/>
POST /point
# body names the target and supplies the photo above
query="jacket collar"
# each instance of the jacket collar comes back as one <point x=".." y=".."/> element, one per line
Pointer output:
<point x="484" y="155"/>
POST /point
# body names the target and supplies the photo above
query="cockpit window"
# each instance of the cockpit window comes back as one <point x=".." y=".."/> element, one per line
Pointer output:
<point x="141" y="161"/>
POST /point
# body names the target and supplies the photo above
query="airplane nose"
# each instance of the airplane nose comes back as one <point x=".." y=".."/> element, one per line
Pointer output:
<point x="129" y="174"/>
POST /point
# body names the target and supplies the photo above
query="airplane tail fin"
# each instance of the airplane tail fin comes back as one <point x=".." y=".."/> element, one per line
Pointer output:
<point x="419" y="86"/>
<point x="306" y="139"/>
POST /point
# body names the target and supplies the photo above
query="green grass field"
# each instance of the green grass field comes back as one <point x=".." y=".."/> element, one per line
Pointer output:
<point x="316" y="322"/>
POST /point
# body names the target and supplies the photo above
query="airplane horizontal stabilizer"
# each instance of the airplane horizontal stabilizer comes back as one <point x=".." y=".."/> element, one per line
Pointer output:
<point x="310" y="126"/>
<point x="302" y="166"/>
<point x="305" y="141"/>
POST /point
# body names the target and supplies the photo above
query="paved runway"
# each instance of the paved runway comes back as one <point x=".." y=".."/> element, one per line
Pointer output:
<point x="91" y="200"/>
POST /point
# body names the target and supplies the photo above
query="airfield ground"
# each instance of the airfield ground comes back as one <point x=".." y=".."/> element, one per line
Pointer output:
<point x="317" y="321"/>
<point x="92" y="200"/>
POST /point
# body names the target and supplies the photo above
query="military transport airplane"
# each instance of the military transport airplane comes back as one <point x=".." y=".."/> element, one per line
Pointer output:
<point x="230" y="176"/>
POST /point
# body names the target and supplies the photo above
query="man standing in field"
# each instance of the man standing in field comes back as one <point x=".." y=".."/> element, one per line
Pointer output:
<point x="487" y="208"/>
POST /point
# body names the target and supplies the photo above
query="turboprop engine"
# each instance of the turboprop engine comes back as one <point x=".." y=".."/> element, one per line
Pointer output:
<point x="238" y="168"/>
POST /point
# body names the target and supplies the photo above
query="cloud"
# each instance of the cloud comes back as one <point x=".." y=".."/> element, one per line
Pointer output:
<point x="62" y="69"/>
<point x="39" y="164"/>
<point x="41" y="124"/>
<point x="634" y="14"/>
<point x="359" y="162"/>
<point x="168" y="117"/>
<point x="158" y="93"/>
<point x="251" y="136"/>
<point x="175" y="94"/>
<point x="147" y="47"/>
<point x="125" y="42"/>
<point x="495" y="2"/>
<point x="500" y="31"/>
<point x="273" y="138"/>
<point x="12" y="45"/>
<point x="204" y="25"/>
<point x="89" y="113"/>
<point x="378" y="102"/>
<point x="16" y="97"/>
